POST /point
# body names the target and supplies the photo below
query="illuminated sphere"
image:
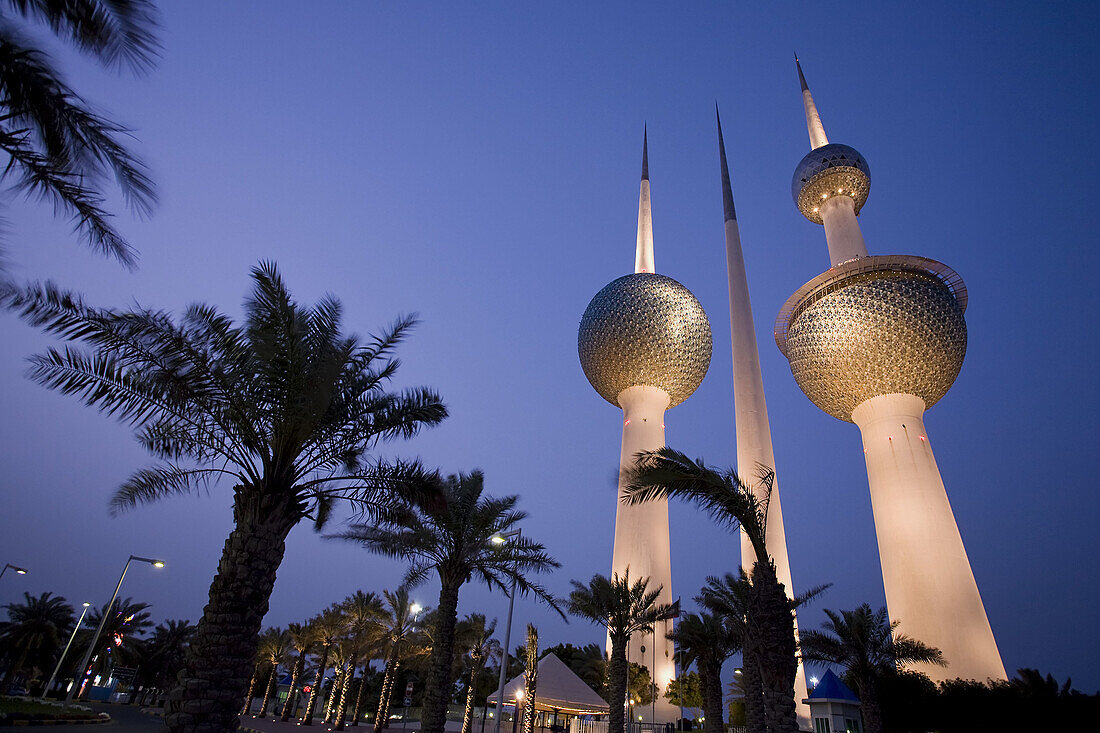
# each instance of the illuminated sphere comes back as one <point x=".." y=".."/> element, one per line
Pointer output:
<point x="831" y="170"/>
<point x="877" y="329"/>
<point x="645" y="329"/>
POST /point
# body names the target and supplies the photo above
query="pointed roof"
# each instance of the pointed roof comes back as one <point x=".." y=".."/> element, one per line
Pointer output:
<point x="645" y="152"/>
<point x="727" y="190"/>
<point x="813" y="119"/>
<point x="830" y="687"/>
<point x="557" y="688"/>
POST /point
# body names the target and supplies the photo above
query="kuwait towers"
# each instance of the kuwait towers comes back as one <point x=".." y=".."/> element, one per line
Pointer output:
<point x="645" y="346"/>
<point x="877" y="341"/>
<point x="754" y="438"/>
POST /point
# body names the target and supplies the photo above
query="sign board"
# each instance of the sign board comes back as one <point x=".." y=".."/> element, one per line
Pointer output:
<point x="408" y="701"/>
<point x="409" y="689"/>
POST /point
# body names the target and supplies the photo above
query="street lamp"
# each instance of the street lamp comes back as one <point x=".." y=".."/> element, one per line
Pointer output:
<point x="500" y="539"/>
<point x="18" y="570"/>
<point x="60" y="659"/>
<point x="82" y="670"/>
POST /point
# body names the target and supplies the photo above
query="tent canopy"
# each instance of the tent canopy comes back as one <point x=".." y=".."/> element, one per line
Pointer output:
<point x="558" y="688"/>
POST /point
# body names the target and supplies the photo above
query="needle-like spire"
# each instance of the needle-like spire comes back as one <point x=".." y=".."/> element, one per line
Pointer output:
<point x="727" y="189"/>
<point x="643" y="255"/>
<point x="813" y="119"/>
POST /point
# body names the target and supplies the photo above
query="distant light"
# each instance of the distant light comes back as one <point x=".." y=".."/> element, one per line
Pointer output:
<point x="498" y="540"/>
<point x="813" y="681"/>
<point x="415" y="608"/>
<point x="519" y="694"/>
<point x="86" y="604"/>
<point x="158" y="564"/>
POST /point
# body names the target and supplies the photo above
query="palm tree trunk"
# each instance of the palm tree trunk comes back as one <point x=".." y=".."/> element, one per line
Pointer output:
<point x="272" y="680"/>
<point x="713" y="709"/>
<point x="383" y="718"/>
<point x="616" y="686"/>
<point x="360" y="696"/>
<point x="468" y="715"/>
<point x="296" y="672"/>
<point x="334" y="692"/>
<point x="343" y="704"/>
<point x="872" y="712"/>
<point x="771" y="621"/>
<point x="221" y="654"/>
<point x="750" y="681"/>
<point x="307" y="719"/>
<point x="433" y="716"/>
<point x="248" y="698"/>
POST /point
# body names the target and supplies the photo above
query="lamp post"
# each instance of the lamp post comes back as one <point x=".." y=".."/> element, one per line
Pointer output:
<point x="46" y="689"/>
<point x="82" y="670"/>
<point x="18" y="570"/>
<point x="500" y="539"/>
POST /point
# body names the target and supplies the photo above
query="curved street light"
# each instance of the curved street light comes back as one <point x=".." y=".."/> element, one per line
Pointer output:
<point x="82" y="670"/>
<point x="18" y="570"/>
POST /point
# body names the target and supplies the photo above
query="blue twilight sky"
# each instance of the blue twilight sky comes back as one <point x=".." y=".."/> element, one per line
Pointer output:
<point x="478" y="163"/>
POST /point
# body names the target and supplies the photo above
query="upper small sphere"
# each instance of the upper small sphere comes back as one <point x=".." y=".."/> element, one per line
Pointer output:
<point x="831" y="170"/>
<point x="645" y="329"/>
<point x="874" y="332"/>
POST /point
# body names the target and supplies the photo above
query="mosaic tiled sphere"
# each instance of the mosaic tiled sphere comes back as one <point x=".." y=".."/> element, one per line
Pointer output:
<point x="645" y="329"/>
<point x="831" y="170"/>
<point x="876" y="333"/>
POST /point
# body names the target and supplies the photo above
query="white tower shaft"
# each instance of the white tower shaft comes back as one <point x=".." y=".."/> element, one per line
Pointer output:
<point x="930" y="586"/>
<point x="642" y="542"/>
<point x="842" y="232"/>
<point x="754" y="437"/>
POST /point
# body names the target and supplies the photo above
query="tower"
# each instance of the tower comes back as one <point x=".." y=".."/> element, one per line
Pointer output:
<point x="645" y="345"/>
<point x="754" y="438"/>
<point x="877" y="340"/>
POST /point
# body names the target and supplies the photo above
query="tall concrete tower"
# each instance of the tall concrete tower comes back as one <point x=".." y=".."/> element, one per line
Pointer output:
<point x="754" y="436"/>
<point x="877" y="341"/>
<point x="645" y="346"/>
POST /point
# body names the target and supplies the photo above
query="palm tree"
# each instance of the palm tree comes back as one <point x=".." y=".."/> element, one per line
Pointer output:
<point x="58" y="148"/>
<point x="284" y="407"/>
<point x="328" y="626"/>
<point x="455" y="540"/>
<point x="120" y="642"/>
<point x="769" y="642"/>
<point x="275" y="645"/>
<point x="163" y="655"/>
<point x="481" y="649"/>
<point x="363" y="614"/>
<point x="32" y="634"/>
<point x="624" y="608"/>
<point x="729" y="597"/>
<point x="865" y="643"/>
<point x="399" y="622"/>
<point x="302" y="639"/>
<point x="706" y="640"/>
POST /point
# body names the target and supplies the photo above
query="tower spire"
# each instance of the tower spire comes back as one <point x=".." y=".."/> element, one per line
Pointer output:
<point x="813" y="119"/>
<point x="727" y="190"/>
<point x="643" y="255"/>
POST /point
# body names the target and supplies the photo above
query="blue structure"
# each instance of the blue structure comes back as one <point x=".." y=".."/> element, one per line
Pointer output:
<point x="834" y="708"/>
